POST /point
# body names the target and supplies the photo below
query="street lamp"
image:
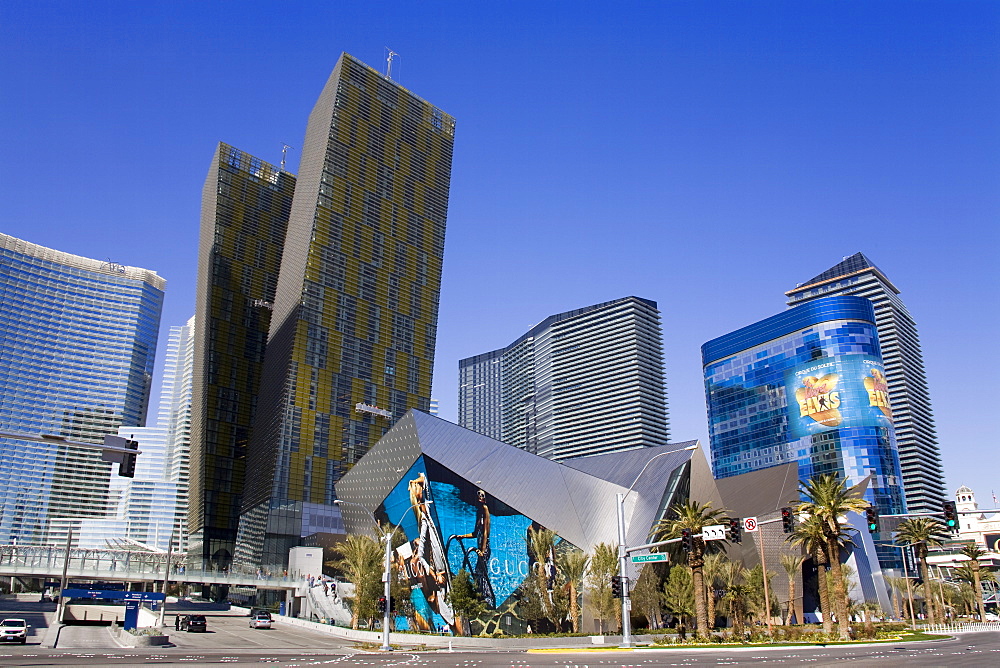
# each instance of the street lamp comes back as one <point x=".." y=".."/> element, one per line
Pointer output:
<point x="387" y="573"/>
<point x="623" y="550"/>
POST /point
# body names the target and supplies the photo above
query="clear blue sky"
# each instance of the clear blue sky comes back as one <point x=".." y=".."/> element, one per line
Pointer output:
<point x="706" y="155"/>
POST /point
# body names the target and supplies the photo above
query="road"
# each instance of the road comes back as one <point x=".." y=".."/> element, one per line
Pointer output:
<point x="230" y="641"/>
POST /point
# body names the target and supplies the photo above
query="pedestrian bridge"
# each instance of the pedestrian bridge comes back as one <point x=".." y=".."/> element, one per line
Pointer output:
<point x="111" y="565"/>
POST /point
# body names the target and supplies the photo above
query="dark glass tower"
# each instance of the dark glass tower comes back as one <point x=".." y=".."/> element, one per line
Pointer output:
<point x="245" y="207"/>
<point x="919" y="454"/>
<point x="351" y="344"/>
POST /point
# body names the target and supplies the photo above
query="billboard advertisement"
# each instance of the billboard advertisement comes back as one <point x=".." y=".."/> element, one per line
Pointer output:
<point x="451" y="525"/>
<point x="848" y="391"/>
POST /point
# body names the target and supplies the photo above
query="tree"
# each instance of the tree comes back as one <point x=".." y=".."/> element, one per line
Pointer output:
<point x="714" y="565"/>
<point x="647" y="595"/>
<point x="829" y="499"/>
<point x="693" y="516"/>
<point x="792" y="563"/>
<point x="679" y="595"/>
<point x="737" y="594"/>
<point x="975" y="553"/>
<point x="465" y="600"/>
<point x="573" y="566"/>
<point x="897" y="587"/>
<point x="542" y="544"/>
<point x="811" y="535"/>
<point x="921" y="533"/>
<point x="360" y="560"/>
<point x="603" y="566"/>
<point x="757" y="603"/>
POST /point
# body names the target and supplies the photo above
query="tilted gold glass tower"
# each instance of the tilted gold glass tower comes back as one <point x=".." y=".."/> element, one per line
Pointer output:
<point x="245" y="207"/>
<point x="351" y="343"/>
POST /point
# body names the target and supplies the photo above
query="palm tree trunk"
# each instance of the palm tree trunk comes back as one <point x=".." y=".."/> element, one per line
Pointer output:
<point x="574" y="607"/>
<point x="824" y="595"/>
<point x="701" y="613"/>
<point x="840" y="592"/>
<point x="979" y="593"/>
<point x="710" y="604"/>
<point x="928" y="591"/>
<point x="791" y="601"/>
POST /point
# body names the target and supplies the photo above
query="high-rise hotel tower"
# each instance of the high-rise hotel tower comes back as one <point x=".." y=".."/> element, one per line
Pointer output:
<point x="919" y="454"/>
<point x="77" y="342"/>
<point x="584" y="382"/>
<point x="244" y="217"/>
<point x="354" y="323"/>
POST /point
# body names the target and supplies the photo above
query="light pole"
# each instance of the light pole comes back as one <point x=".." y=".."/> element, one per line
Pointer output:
<point x="623" y="549"/>
<point x="387" y="573"/>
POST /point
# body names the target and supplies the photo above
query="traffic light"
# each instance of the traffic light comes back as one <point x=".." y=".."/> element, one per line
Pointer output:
<point x="616" y="586"/>
<point x="736" y="530"/>
<point x="787" y="520"/>
<point x="871" y="514"/>
<point x="950" y="516"/>
<point x="381" y="604"/>
<point x="126" y="468"/>
<point x="687" y="542"/>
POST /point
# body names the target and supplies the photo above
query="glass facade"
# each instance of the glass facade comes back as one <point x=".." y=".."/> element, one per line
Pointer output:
<point x="807" y="385"/>
<point x="77" y="345"/>
<point x="919" y="454"/>
<point x="353" y="330"/>
<point x="244" y="217"/>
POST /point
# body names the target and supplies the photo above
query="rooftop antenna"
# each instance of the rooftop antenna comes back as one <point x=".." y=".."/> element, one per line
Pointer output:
<point x="284" y="154"/>
<point x="388" y="64"/>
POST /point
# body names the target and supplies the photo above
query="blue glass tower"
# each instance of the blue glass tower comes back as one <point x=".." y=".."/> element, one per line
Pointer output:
<point x="77" y="342"/>
<point x="809" y="385"/>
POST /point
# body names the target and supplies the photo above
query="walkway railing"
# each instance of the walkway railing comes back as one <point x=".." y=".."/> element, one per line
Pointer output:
<point x="960" y="627"/>
<point x="125" y="565"/>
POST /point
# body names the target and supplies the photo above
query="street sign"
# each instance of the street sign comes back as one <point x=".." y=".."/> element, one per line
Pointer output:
<point x="750" y="524"/>
<point x="644" y="558"/>
<point x="714" y="532"/>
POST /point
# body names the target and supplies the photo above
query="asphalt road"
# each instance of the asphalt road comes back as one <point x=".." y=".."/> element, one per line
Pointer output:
<point x="978" y="649"/>
<point x="230" y="641"/>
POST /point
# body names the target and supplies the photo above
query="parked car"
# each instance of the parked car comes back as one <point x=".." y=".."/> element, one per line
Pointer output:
<point x="193" y="623"/>
<point x="262" y="620"/>
<point x="990" y="617"/>
<point x="14" y="630"/>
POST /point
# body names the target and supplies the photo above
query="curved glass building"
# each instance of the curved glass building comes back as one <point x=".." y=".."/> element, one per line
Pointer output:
<point x="77" y="342"/>
<point x="806" y="385"/>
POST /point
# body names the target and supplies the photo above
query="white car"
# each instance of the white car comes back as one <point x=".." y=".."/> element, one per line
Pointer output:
<point x="14" y="630"/>
<point x="260" y="621"/>
<point x="990" y="617"/>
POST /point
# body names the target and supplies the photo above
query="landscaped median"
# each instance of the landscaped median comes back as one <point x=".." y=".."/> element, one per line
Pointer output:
<point x="904" y="636"/>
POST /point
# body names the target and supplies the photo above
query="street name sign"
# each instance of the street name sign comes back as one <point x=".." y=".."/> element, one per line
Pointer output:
<point x="643" y="558"/>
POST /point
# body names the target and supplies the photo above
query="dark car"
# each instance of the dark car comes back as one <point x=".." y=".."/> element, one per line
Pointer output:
<point x="193" y="623"/>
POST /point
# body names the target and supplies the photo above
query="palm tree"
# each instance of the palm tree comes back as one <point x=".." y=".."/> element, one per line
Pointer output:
<point x="573" y="565"/>
<point x="829" y="498"/>
<point x="792" y="563"/>
<point x="897" y="587"/>
<point x="543" y="547"/>
<point x="361" y="561"/>
<point x="736" y="598"/>
<point x="921" y="533"/>
<point x="811" y="535"/>
<point x="714" y="564"/>
<point x="975" y="553"/>
<point x="693" y="516"/>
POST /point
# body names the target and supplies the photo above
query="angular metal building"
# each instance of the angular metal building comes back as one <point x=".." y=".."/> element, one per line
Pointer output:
<point x="464" y="501"/>
<point x="354" y="323"/>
